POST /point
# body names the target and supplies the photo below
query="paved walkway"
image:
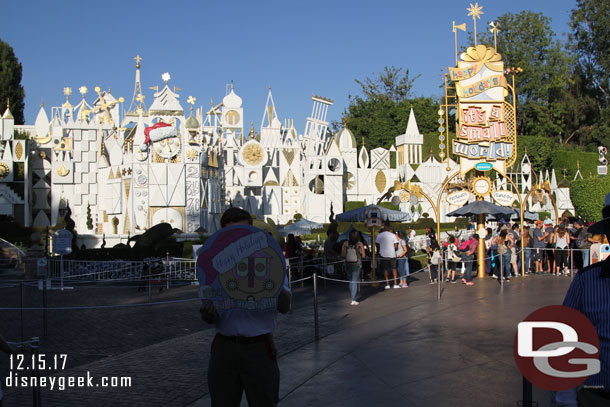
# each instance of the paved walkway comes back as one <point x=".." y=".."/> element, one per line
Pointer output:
<point x="397" y="348"/>
<point x="408" y="349"/>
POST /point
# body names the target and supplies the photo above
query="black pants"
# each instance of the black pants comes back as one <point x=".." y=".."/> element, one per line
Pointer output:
<point x="238" y="367"/>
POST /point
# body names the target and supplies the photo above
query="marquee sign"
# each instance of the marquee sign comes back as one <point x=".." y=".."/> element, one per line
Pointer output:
<point x="486" y="134"/>
<point x="241" y="267"/>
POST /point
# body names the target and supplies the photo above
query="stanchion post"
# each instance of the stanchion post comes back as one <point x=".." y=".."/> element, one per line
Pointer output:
<point x="35" y="346"/>
<point x="168" y="274"/>
<point x="439" y="278"/>
<point x="149" y="283"/>
<point x="315" y="306"/>
<point x="44" y="309"/>
<point x="21" y="308"/>
<point x="527" y="394"/>
<point x="302" y="270"/>
<point x="501" y="271"/>
<point x="61" y="270"/>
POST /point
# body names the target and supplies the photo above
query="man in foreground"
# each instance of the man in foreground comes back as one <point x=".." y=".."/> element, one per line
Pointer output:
<point x="589" y="293"/>
<point x="243" y="354"/>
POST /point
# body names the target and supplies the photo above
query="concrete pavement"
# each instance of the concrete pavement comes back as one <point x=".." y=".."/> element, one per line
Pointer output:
<point x="397" y="348"/>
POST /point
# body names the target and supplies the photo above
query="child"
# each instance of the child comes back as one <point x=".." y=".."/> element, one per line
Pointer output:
<point x="452" y="259"/>
<point x="435" y="259"/>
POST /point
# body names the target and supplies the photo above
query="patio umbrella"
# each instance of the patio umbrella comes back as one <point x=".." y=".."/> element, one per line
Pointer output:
<point x="481" y="207"/>
<point x="359" y="214"/>
<point x="302" y="227"/>
<point x="345" y="236"/>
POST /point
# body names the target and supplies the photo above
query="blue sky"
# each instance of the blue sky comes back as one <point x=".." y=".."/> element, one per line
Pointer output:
<point x="297" y="48"/>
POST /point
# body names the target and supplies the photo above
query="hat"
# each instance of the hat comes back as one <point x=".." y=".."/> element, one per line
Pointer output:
<point x="538" y="222"/>
<point x="599" y="228"/>
<point x="580" y="222"/>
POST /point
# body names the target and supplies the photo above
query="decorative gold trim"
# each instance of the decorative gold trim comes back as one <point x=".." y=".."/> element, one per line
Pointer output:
<point x="4" y="170"/>
<point x="478" y="180"/>
<point x="62" y="171"/>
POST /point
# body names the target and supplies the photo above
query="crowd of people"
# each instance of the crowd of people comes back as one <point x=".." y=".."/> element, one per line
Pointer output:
<point x="551" y="249"/>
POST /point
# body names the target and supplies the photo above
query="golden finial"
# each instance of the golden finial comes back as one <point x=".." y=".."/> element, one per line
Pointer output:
<point x="41" y="102"/>
<point x="67" y="92"/>
<point x="212" y="102"/>
<point x="191" y="100"/>
<point x="83" y="91"/>
<point x="475" y="12"/>
<point x="8" y="103"/>
<point x="578" y="164"/>
<point x="140" y="98"/>
<point x="251" y="135"/>
<point x="565" y="171"/>
<point x="362" y="141"/>
<point x="138" y="58"/>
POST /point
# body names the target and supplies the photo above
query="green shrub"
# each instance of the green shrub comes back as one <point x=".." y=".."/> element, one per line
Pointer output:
<point x="588" y="196"/>
<point x="561" y="159"/>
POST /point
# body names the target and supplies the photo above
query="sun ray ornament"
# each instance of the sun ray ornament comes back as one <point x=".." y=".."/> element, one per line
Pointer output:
<point x="494" y="30"/>
<point x="475" y="11"/>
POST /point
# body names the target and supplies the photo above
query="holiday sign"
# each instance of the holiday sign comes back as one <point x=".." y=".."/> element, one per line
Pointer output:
<point x="241" y="267"/>
<point x="486" y="123"/>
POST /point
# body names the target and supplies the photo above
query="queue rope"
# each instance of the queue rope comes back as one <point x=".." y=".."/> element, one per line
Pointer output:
<point x="371" y="282"/>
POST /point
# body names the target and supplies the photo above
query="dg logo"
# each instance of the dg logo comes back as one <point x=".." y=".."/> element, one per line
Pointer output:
<point x="556" y="348"/>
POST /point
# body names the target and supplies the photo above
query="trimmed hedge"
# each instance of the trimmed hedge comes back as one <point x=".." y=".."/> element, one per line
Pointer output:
<point x="588" y="196"/>
<point x="569" y="159"/>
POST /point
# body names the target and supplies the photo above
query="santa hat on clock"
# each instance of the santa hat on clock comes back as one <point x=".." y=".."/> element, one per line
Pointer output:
<point x="159" y="131"/>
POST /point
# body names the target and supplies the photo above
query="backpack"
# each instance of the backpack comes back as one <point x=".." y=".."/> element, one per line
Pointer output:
<point x="351" y="254"/>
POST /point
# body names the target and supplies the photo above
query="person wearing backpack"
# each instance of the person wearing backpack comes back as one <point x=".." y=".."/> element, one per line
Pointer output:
<point x="353" y="252"/>
<point x="402" y="261"/>
<point x="453" y="259"/>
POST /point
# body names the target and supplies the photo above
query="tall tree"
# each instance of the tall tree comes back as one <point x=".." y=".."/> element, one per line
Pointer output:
<point x="382" y="111"/>
<point x="526" y="40"/>
<point x="590" y="41"/>
<point x="392" y="84"/>
<point x="10" y="82"/>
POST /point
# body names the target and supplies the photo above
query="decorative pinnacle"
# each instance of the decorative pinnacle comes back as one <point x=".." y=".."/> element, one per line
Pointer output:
<point x="140" y="98"/>
<point x="166" y="77"/>
<point x="67" y="91"/>
<point x="83" y="91"/>
<point x="138" y="58"/>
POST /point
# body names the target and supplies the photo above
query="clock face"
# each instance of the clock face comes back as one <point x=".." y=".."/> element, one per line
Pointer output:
<point x="232" y="117"/>
<point x="253" y="154"/>
<point x="168" y="147"/>
<point x="481" y="187"/>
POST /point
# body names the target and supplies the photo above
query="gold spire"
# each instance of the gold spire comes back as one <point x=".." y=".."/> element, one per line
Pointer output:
<point x="138" y="58"/>
<point x="251" y="135"/>
<point x="475" y="12"/>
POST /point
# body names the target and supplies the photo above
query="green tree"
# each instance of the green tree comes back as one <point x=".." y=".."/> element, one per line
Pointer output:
<point x="10" y="82"/>
<point x="392" y="84"/>
<point x="526" y="40"/>
<point x="382" y="110"/>
<point x="590" y="41"/>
